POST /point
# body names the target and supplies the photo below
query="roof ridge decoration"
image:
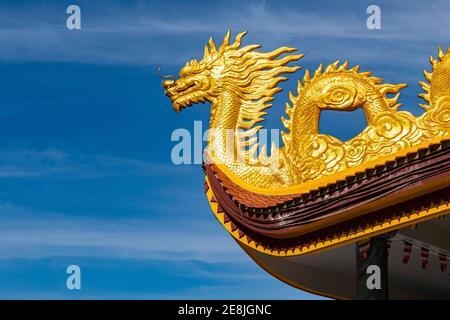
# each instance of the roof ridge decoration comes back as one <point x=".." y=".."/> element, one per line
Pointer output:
<point x="387" y="219"/>
<point x="262" y="202"/>
<point x="239" y="82"/>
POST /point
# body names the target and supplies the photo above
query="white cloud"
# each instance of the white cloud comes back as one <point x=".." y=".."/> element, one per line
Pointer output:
<point x="32" y="163"/>
<point x="142" y="35"/>
<point x="29" y="234"/>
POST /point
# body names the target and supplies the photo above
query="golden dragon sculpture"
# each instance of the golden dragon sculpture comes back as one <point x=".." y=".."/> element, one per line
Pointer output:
<point x="240" y="82"/>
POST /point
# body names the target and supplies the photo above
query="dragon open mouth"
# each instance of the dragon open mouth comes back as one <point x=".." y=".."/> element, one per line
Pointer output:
<point x="187" y="98"/>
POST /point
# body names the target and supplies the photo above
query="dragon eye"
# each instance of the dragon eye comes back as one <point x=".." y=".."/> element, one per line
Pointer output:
<point x="185" y="72"/>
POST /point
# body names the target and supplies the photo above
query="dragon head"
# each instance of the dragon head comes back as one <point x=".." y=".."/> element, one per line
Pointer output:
<point x="197" y="80"/>
<point x="195" y="84"/>
<point x="228" y="66"/>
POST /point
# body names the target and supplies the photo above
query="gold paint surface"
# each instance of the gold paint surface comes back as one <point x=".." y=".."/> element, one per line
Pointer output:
<point x="240" y="83"/>
<point x="366" y="232"/>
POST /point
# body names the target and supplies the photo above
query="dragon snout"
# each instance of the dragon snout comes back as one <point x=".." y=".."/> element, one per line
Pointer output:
<point x="169" y="88"/>
<point x="167" y="84"/>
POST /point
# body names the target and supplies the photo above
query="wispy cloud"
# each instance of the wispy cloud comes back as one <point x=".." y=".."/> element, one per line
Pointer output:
<point x="141" y="34"/>
<point x="197" y="251"/>
<point x="264" y="288"/>
<point x="25" y="233"/>
<point x="31" y="163"/>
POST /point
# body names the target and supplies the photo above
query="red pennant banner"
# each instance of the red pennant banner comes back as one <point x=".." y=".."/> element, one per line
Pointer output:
<point x="407" y="251"/>
<point x="389" y="243"/>
<point x="363" y="249"/>
<point x="443" y="262"/>
<point x="424" y="253"/>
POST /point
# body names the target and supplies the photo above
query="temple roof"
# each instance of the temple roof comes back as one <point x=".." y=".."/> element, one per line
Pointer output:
<point x="388" y="196"/>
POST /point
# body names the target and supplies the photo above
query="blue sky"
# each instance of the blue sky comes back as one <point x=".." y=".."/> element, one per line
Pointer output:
<point x="85" y="171"/>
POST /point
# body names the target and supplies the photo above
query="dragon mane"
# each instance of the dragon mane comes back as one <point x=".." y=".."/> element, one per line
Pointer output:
<point x="252" y="76"/>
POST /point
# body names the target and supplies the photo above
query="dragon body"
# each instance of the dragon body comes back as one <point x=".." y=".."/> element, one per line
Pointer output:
<point x="240" y="83"/>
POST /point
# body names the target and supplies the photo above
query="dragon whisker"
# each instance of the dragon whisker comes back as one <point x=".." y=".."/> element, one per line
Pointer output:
<point x="165" y="77"/>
